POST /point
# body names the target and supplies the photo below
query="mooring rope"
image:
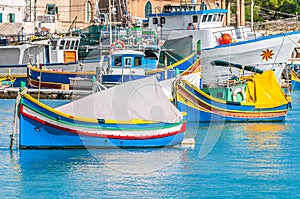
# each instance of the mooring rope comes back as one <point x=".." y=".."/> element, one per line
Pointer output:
<point x="14" y="128"/>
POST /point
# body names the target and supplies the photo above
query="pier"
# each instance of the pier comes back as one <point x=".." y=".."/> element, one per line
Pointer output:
<point x="12" y="93"/>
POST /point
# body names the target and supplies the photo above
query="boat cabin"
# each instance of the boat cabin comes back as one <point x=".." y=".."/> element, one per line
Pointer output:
<point x="134" y="59"/>
<point x="191" y="16"/>
<point x="62" y="50"/>
<point x="50" y="51"/>
<point x="195" y="19"/>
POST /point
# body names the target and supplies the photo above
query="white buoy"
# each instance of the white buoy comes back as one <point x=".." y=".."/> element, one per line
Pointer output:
<point x="188" y="142"/>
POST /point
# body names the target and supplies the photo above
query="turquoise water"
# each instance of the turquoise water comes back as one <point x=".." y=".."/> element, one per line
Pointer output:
<point x="228" y="161"/>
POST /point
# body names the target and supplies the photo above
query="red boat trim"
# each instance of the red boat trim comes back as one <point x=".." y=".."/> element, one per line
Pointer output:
<point x="182" y="129"/>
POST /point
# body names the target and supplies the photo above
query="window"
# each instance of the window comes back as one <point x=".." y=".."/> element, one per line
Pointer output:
<point x="195" y="19"/>
<point x="137" y="61"/>
<point x="155" y="21"/>
<point x="117" y="61"/>
<point x="162" y="20"/>
<point x="148" y="9"/>
<point x="76" y="45"/>
<point x="11" y="17"/>
<point x="73" y="45"/>
<point x="127" y="61"/>
<point x="62" y="45"/>
<point x="204" y="18"/>
<point x="88" y="11"/>
<point x="220" y="95"/>
<point x="68" y="44"/>
<point x="51" y="9"/>
<point x="1" y="18"/>
<point x="209" y="18"/>
<point x="53" y="45"/>
<point x="215" y="17"/>
<point x="221" y="17"/>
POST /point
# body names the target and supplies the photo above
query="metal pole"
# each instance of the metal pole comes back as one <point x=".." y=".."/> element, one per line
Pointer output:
<point x="110" y="29"/>
<point x="252" y="7"/>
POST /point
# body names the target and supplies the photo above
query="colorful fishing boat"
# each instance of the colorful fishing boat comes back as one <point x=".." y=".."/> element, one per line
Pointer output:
<point x="6" y="82"/>
<point x="126" y="65"/>
<point x="172" y="58"/>
<point x="54" y="78"/>
<point x="253" y="98"/>
<point x="57" y="52"/>
<point x="122" y="116"/>
<point x="295" y="80"/>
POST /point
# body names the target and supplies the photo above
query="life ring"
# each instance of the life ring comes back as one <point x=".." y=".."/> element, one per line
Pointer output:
<point x="241" y="91"/>
<point x="116" y="43"/>
<point x="191" y="26"/>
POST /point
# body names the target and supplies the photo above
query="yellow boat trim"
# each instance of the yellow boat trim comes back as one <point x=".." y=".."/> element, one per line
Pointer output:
<point x="218" y="108"/>
<point x="172" y="65"/>
<point x="53" y="83"/>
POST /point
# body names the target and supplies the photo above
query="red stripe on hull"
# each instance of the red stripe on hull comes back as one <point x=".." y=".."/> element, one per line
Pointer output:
<point x="182" y="129"/>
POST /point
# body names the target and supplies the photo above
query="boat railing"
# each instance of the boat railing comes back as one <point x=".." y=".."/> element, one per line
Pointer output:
<point x="240" y="34"/>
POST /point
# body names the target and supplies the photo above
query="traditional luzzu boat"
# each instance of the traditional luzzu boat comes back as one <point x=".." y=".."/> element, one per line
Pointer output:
<point x="254" y="98"/>
<point x="54" y="53"/>
<point x="294" y="63"/>
<point x="237" y="45"/>
<point x="125" y="65"/>
<point x="134" y="65"/>
<point x="7" y="81"/>
<point x="133" y="114"/>
<point x="43" y="77"/>
<point x="295" y="80"/>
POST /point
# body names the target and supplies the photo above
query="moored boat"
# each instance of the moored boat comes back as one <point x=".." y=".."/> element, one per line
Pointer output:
<point x="133" y="114"/>
<point x="253" y="98"/>
<point x="6" y="82"/>
<point x="295" y="80"/>
<point x="174" y="57"/>
<point x="54" y="78"/>
<point x="238" y="45"/>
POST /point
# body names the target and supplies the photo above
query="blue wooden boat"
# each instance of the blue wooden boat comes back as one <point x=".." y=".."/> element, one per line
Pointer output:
<point x="295" y="80"/>
<point x="121" y="116"/>
<point x="253" y="98"/>
<point x="54" y="78"/>
<point x="172" y="58"/>
<point x="128" y="65"/>
<point x="6" y="82"/>
<point x="55" y="53"/>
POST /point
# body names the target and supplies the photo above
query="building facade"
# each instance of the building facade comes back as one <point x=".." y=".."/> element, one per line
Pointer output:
<point x="59" y="15"/>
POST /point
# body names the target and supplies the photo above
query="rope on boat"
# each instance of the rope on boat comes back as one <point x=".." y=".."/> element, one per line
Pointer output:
<point x="14" y="128"/>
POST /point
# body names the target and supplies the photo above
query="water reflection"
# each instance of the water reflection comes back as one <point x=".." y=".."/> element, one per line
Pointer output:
<point x="139" y="161"/>
<point x="264" y="135"/>
<point x="264" y="139"/>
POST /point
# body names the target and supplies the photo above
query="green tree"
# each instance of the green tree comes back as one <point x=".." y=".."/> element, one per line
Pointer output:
<point x="271" y="9"/>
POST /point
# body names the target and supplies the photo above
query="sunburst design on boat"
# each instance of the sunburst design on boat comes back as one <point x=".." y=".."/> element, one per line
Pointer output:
<point x="267" y="54"/>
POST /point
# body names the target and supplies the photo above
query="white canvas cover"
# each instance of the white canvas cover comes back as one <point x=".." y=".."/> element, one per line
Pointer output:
<point x="140" y="99"/>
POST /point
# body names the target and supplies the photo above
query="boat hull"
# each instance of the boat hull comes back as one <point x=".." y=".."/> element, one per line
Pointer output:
<point x="40" y="127"/>
<point x="199" y="108"/>
<point x="295" y="80"/>
<point x="54" y="79"/>
<point x="261" y="52"/>
<point x="188" y="64"/>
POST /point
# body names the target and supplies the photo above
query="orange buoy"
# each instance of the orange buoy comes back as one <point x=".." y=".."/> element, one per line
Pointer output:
<point x="226" y="39"/>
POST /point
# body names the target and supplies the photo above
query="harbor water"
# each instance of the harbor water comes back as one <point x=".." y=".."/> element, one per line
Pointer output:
<point x="244" y="160"/>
